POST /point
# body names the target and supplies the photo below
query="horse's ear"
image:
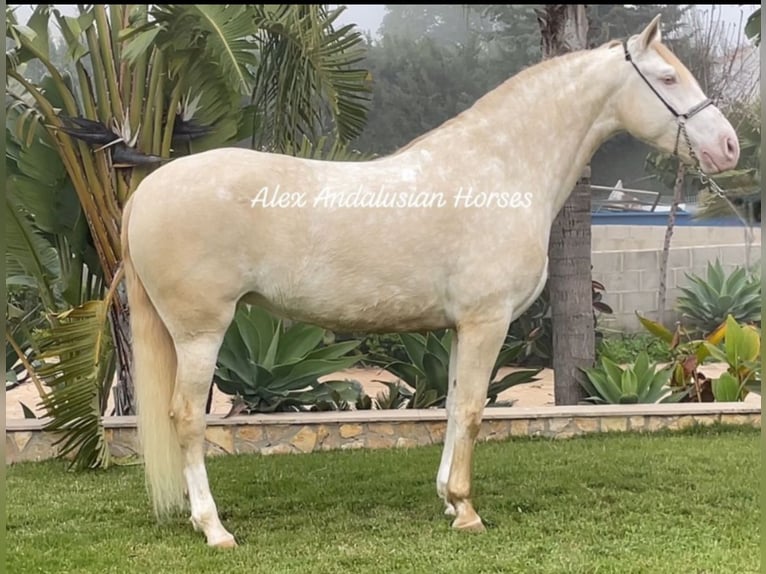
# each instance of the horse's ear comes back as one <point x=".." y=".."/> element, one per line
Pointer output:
<point x="650" y="34"/>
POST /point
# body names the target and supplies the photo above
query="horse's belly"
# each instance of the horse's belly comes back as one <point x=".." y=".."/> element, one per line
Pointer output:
<point x="340" y="310"/>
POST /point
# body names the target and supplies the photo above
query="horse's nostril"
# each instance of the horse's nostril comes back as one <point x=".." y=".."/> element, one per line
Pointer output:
<point x="731" y="146"/>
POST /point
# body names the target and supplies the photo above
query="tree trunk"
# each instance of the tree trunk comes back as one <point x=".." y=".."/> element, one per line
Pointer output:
<point x="574" y="340"/>
<point x="678" y="187"/>
<point x="563" y="29"/>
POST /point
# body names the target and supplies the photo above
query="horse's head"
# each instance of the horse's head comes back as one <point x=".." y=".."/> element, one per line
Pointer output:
<point x="661" y="95"/>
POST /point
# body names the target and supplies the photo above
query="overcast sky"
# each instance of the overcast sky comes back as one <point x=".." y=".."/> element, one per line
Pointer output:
<point x="369" y="16"/>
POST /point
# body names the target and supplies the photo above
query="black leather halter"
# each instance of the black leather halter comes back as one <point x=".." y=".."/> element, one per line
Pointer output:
<point x="680" y="117"/>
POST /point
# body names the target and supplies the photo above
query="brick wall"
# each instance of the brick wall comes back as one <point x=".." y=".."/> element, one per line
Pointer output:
<point x="626" y="260"/>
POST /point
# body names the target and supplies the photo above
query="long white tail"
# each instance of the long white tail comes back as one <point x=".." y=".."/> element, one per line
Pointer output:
<point x="154" y="372"/>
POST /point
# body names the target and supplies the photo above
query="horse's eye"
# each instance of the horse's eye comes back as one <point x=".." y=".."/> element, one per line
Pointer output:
<point x="669" y="80"/>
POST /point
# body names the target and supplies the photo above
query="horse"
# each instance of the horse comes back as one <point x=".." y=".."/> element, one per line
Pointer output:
<point x="460" y="242"/>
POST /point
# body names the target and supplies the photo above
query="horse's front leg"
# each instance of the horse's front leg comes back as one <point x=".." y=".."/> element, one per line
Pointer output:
<point x="479" y="346"/>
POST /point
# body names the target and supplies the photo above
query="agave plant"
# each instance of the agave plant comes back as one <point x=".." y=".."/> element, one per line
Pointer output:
<point x="742" y="351"/>
<point x="271" y="367"/>
<point x="426" y="373"/>
<point x="397" y="396"/>
<point x="639" y="382"/>
<point x="708" y="301"/>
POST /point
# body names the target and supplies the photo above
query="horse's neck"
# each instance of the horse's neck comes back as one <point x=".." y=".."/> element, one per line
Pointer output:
<point x="544" y="124"/>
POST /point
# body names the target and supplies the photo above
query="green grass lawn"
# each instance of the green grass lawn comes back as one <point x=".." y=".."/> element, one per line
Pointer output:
<point x="683" y="503"/>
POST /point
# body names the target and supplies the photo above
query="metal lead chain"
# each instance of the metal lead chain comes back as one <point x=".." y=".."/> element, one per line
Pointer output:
<point x="706" y="180"/>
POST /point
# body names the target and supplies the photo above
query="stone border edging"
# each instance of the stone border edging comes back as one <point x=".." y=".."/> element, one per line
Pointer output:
<point x="282" y="433"/>
<point x="410" y="415"/>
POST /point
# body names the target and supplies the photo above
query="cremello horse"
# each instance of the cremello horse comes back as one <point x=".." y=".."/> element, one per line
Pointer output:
<point x="449" y="232"/>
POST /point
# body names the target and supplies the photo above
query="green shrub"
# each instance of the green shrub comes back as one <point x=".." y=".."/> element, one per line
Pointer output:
<point x="741" y="350"/>
<point x="624" y="348"/>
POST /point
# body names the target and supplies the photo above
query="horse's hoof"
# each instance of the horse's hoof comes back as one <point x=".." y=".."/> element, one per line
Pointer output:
<point x="225" y="543"/>
<point x="449" y="510"/>
<point x="474" y="524"/>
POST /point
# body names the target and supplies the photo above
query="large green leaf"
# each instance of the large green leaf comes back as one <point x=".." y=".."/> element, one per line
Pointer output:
<point x="221" y="35"/>
<point x="227" y="29"/>
<point x="28" y="253"/>
<point x="436" y="347"/>
<point x="511" y="380"/>
<point x="308" y="371"/>
<point x="613" y="371"/>
<point x="407" y="372"/>
<point x="72" y="27"/>
<point x="509" y="353"/>
<point x="306" y="68"/>
<point x="334" y="351"/>
<point x="35" y="32"/>
<point x="657" y="387"/>
<point x="726" y="388"/>
<point x="244" y="382"/>
<point x="605" y="388"/>
<point x="436" y="374"/>
<point x="79" y="366"/>
<point x="415" y="346"/>
<point x="655" y="328"/>
<point x="297" y="341"/>
<point x="139" y="41"/>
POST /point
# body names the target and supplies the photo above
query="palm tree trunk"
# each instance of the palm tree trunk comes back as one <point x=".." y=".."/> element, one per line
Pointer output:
<point x="564" y="28"/>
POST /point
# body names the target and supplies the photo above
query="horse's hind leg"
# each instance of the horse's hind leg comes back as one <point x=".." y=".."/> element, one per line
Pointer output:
<point x="477" y="352"/>
<point x="197" y="357"/>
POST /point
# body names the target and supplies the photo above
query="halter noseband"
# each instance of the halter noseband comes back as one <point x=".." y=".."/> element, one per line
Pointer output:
<point x="680" y="118"/>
